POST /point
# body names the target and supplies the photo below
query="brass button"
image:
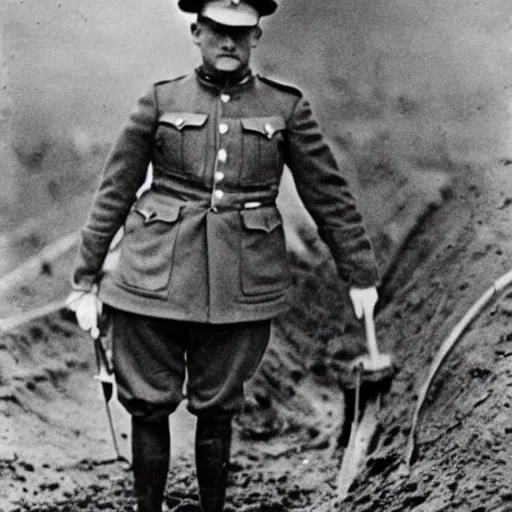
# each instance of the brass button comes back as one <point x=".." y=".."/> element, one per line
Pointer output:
<point x="223" y="128"/>
<point x="222" y="155"/>
<point x="218" y="194"/>
<point x="219" y="176"/>
<point x="225" y="98"/>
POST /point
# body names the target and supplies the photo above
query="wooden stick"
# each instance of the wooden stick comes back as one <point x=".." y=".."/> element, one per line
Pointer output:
<point x="371" y="337"/>
<point x="445" y="348"/>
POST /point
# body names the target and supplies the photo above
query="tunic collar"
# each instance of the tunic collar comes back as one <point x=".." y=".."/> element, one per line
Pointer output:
<point x="224" y="81"/>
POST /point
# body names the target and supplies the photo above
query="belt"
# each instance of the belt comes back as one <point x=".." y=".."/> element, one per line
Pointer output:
<point x="224" y="200"/>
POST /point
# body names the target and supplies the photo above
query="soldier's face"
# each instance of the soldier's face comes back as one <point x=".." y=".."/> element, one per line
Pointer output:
<point x="224" y="48"/>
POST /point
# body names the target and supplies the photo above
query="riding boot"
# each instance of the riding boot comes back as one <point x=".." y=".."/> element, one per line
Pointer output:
<point x="151" y="452"/>
<point x="213" y="443"/>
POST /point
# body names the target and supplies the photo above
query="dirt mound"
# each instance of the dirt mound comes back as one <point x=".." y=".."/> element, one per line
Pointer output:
<point x="287" y="454"/>
<point x="463" y="452"/>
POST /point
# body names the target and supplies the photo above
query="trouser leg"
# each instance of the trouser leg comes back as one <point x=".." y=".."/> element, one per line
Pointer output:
<point x="213" y="444"/>
<point x="151" y="453"/>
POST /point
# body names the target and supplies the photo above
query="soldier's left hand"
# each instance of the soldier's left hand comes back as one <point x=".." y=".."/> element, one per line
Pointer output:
<point x="363" y="299"/>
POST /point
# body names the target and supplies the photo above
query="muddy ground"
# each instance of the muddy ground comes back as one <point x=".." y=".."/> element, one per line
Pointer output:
<point x="56" y="450"/>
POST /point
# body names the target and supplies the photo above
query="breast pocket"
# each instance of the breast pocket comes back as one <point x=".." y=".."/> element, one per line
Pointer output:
<point x="147" y="248"/>
<point x="262" y="149"/>
<point x="180" y="142"/>
<point x="264" y="265"/>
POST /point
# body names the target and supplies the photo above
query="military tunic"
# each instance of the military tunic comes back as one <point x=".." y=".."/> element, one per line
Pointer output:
<point x="206" y="242"/>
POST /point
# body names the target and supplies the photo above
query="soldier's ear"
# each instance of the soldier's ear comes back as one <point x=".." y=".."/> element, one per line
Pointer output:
<point x="256" y="35"/>
<point x="195" y="30"/>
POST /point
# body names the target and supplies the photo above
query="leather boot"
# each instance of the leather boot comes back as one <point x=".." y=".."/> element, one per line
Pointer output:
<point x="151" y="452"/>
<point x="213" y="444"/>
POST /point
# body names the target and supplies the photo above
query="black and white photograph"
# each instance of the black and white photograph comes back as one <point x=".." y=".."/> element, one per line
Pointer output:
<point x="256" y="256"/>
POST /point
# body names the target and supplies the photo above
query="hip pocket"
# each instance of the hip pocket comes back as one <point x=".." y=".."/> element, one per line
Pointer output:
<point x="146" y="259"/>
<point x="264" y="267"/>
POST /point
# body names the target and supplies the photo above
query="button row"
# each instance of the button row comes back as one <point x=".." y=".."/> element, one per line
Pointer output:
<point x="222" y="154"/>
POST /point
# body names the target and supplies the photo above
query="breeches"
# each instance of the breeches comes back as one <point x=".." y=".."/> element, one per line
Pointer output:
<point x="152" y="356"/>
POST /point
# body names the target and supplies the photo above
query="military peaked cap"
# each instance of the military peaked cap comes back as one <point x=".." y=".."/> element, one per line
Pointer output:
<point x="261" y="7"/>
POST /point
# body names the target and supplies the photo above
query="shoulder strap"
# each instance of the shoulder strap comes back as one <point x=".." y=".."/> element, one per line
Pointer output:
<point x="281" y="86"/>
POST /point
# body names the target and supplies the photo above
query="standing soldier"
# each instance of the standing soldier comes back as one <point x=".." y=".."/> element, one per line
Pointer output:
<point x="203" y="265"/>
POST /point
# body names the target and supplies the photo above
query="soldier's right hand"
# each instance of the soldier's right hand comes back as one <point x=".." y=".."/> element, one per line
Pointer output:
<point x="87" y="308"/>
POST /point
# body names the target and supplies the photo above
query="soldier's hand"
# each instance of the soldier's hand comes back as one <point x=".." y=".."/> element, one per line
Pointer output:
<point x="363" y="300"/>
<point x="87" y="308"/>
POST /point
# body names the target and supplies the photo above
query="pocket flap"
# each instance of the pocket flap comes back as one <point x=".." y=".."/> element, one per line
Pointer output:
<point x="154" y="209"/>
<point x="181" y="120"/>
<point x="266" y="126"/>
<point x="262" y="219"/>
